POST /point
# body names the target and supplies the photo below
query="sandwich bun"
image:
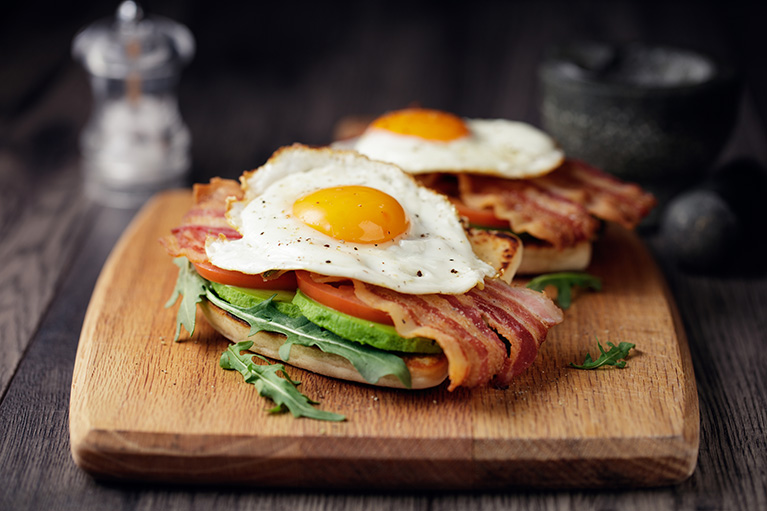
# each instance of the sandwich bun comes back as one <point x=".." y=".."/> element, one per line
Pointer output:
<point x="540" y="258"/>
<point x="501" y="250"/>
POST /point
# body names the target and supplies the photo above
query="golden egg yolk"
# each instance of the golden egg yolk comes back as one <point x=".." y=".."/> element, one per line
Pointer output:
<point x="358" y="214"/>
<point x="423" y="123"/>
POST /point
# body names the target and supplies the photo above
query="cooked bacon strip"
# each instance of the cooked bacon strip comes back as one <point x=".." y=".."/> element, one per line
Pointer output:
<point x="189" y="240"/>
<point x="520" y="316"/>
<point x="210" y="202"/>
<point x="558" y="206"/>
<point x="603" y="195"/>
<point x="207" y="217"/>
<point x="530" y="208"/>
<point x="488" y="335"/>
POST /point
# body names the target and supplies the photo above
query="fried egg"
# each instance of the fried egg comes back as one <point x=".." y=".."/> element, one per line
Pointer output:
<point x="421" y="140"/>
<point x="341" y="214"/>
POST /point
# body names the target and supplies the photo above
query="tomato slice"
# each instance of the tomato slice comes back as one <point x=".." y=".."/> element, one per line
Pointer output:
<point x="235" y="278"/>
<point x="340" y="296"/>
<point x="480" y="217"/>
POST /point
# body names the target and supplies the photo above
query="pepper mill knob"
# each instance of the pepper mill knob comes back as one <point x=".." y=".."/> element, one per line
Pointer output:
<point x="129" y="12"/>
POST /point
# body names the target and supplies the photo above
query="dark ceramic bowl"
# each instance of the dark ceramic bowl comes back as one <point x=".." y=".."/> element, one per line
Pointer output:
<point x="651" y="114"/>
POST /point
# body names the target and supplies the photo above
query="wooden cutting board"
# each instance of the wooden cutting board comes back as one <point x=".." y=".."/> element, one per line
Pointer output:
<point x="146" y="408"/>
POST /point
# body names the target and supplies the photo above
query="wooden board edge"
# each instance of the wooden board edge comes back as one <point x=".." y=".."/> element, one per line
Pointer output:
<point x="289" y="466"/>
<point x="278" y="462"/>
<point x="79" y="423"/>
<point x="690" y="438"/>
<point x="674" y="466"/>
<point x="588" y="463"/>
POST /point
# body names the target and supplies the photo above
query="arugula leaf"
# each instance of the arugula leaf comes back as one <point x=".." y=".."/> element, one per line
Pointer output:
<point x="614" y="357"/>
<point x="191" y="287"/>
<point x="265" y="378"/>
<point x="371" y="363"/>
<point x="564" y="282"/>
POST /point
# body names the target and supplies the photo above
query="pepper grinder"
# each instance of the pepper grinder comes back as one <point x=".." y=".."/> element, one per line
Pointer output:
<point x="135" y="142"/>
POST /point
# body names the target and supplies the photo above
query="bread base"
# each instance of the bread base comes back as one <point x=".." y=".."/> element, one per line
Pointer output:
<point x="425" y="370"/>
<point x="500" y="249"/>
<point x="538" y="258"/>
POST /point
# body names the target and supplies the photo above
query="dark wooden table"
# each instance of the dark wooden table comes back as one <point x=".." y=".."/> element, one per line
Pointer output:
<point x="269" y="76"/>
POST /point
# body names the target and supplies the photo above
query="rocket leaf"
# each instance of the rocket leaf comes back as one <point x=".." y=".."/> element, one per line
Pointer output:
<point x="564" y="282"/>
<point x="191" y="287"/>
<point x="614" y="357"/>
<point x="372" y="364"/>
<point x="266" y="379"/>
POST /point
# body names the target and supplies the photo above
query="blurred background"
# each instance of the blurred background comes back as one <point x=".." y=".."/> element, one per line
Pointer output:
<point x="272" y="73"/>
<point x="268" y="74"/>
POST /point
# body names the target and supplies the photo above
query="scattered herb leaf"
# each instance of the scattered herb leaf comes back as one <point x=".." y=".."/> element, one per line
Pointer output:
<point x="192" y="288"/>
<point x="564" y="282"/>
<point x="266" y="379"/>
<point x="614" y="357"/>
<point x="371" y="363"/>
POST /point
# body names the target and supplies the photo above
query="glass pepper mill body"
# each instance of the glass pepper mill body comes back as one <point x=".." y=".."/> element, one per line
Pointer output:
<point x="135" y="142"/>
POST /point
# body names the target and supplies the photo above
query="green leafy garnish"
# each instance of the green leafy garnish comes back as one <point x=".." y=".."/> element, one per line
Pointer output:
<point x="564" y="282"/>
<point x="192" y="288"/>
<point x="266" y="379"/>
<point x="614" y="357"/>
<point x="372" y="364"/>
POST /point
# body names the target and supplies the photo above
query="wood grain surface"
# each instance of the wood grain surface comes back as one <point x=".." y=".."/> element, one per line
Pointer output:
<point x="269" y="74"/>
<point x="143" y="407"/>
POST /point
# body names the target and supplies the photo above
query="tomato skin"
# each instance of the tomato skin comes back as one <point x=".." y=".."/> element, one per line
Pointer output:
<point x="336" y="296"/>
<point x="480" y="217"/>
<point x="235" y="278"/>
<point x="340" y="297"/>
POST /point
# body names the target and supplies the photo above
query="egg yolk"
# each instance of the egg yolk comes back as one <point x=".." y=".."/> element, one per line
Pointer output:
<point x="423" y="123"/>
<point x="358" y="214"/>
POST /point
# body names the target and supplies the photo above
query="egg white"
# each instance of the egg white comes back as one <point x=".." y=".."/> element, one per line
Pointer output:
<point x="509" y="149"/>
<point x="433" y="256"/>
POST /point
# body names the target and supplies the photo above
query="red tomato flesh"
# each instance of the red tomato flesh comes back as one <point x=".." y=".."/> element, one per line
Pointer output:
<point x="235" y="278"/>
<point x="480" y="217"/>
<point x="340" y="296"/>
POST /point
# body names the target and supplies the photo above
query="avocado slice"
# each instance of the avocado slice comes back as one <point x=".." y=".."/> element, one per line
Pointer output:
<point x="383" y="337"/>
<point x="247" y="297"/>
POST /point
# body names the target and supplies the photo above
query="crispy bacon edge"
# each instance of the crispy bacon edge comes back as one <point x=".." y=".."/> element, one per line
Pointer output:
<point x="206" y="217"/>
<point x="489" y="335"/>
<point x="562" y="208"/>
<point x="602" y="194"/>
<point x="530" y="208"/>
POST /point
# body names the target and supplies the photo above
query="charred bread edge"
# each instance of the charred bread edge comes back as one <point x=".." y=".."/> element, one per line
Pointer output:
<point x="501" y="250"/>
<point x="425" y="370"/>
<point x="546" y="259"/>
